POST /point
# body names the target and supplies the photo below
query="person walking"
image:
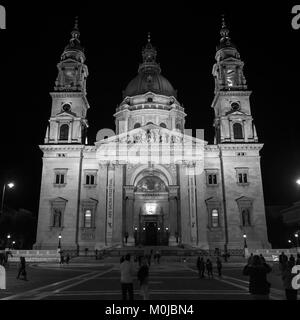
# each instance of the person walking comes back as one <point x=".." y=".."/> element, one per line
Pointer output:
<point x="298" y="259"/>
<point x="283" y="259"/>
<point x="209" y="268"/>
<point x="292" y="259"/>
<point x="127" y="272"/>
<point x="22" y="269"/>
<point x="158" y="256"/>
<point x="287" y="276"/>
<point x="198" y="265"/>
<point x="262" y="258"/>
<point x="259" y="287"/>
<point x="219" y="267"/>
<point x="67" y="258"/>
<point x="143" y="277"/>
<point x="250" y="259"/>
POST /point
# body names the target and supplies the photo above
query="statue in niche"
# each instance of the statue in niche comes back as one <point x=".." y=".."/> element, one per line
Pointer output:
<point x="57" y="218"/>
<point x="246" y="217"/>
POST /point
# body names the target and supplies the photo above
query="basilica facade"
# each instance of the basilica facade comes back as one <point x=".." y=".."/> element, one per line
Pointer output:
<point x="150" y="182"/>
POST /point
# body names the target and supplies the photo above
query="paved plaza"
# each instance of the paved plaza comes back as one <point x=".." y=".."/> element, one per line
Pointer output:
<point x="90" y="279"/>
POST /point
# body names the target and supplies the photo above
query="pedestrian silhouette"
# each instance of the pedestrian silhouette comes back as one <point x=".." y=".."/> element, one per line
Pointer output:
<point x="209" y="268"/>
<point x="127" y="272"/>
<point x="259" y="287"/>
<point x="22" y="269"/>
<point x="287" y="276"/>
<point x="219" y="266"/>
<point x="143" y="277"/>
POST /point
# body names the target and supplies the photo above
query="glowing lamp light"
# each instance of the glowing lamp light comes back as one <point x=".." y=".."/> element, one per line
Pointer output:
<point x="13" y="242"/>
<point x="144" y="228"/>
<point x="158" y="228"/>
<point x="298" y="181"/>
<point x="10" y="185"/>
<point x="135" y="228"/>
<point x="296" y="235"/>
<point x="289" y="241"/>
<point x="167" y="228"/>
<point x="59" y="237"/>
<point x="244" y="236"/>
<point x="8" y="236"/>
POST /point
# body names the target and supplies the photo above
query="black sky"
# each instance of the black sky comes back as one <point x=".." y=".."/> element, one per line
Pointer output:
<point x="185" y="37"/>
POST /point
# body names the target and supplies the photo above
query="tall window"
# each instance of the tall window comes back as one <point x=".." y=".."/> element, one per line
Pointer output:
<point x="87" y="223"/>
<point x="214" y="218"/>
<point x="237" y="131"/>
<point x="64" y="132"/>
<point x="137" y="125"/>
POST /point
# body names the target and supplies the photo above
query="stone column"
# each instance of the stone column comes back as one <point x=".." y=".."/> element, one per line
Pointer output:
<point x="129" y="196"/>
<point x="173" y="215"/>
<point x="185" y="236"/>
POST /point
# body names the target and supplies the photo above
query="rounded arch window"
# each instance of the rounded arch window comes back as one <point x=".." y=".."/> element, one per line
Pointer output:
<point x="163" y="125"/>
<point x="137" y="125"/>
<point x="152" y="184"/>
<point x="178" y="126"/>
<point x="66" y="107"/>
<point x="149" y="123"/>
<point x="237" y="131"/>
<point x="64" y="132"/>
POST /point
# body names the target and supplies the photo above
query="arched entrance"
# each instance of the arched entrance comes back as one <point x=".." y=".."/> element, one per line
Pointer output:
<point x="151" y="209"/>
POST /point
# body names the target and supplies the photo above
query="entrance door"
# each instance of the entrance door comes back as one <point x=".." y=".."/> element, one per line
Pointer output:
<point x="151" y="234"/>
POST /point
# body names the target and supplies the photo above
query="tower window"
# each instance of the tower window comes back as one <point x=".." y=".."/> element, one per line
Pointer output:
<point x="64" y="132"/>
<point x="242" y="176"/>
<point x="212" y="177"/>
<point x="150" y="99"/>
<point x="90" y="179"/>
<point x="60" y="178"/>
<point x="87" y="221"/>
<point x="178" y="126"/>
<point x="163" y="125"/>
<point x="137" y="125"/>
<point x="215" y="218"/>
<point x="237" y="131"/>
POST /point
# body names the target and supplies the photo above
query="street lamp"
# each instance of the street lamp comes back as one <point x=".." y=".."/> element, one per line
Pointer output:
<point x="245" y="240"/>
<point x="13" y="243"/>
<point x="10" y="185"/>
<point x="298" y="181"/>
<point x="8" y="238"/>
<point x="59" y="241"/>
<point x="297" y="240"/>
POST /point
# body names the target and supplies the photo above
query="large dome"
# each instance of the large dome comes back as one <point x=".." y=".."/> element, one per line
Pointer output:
<point x="153" y="82"/>
<point x="149" y="77"/>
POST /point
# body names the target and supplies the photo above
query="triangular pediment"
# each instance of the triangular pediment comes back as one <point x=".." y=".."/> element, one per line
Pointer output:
<point x="243" y="199"/>
<point x="212" y="200"/>
<point x="236" y="113"/>
<point x="151" y="133"/>
<point x="66" y="114"/>
<point x="59" y="199"/>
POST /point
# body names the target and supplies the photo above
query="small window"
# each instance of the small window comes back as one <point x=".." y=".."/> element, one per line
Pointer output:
<point x="150" y="99"/>
<point x="137" y="125"/>
<point x="90" y="179"/>
<point x="212" y="178"/>
<point x="87" y="223"/>
<point x="178" y="126"/>
<point x="237" y="131"/>
<point x="64" y="132"/>
<point x="243" y="178"/>
<point x="59" y="178"/>
<point x="149" y="123"/>
<point x="163" y="125"/>
<point x="215" y="218"/>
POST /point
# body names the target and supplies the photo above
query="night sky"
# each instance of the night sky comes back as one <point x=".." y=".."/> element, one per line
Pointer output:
<point x="113" y="37"/>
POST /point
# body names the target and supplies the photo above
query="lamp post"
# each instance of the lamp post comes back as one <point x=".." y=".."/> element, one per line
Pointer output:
<point x="8" y="238"/>
<point x="297" y="240"/>
<point x="10" y="186"/>
<point x="245" y="241"/>
<point x="13" y="243"/>
<point x="59" y="241"/>
<point x="290" y="242"/>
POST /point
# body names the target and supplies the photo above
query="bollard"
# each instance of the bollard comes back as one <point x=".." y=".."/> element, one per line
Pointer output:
<point x="2" y="278"/>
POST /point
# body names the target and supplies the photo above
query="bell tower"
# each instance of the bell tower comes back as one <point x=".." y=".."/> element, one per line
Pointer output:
<point x="233" y="121"/>
<point x="68" y="123"/>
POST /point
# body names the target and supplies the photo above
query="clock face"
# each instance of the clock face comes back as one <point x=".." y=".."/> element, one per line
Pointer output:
<point x="235" y="106"/>
<point x="66" y="107"/>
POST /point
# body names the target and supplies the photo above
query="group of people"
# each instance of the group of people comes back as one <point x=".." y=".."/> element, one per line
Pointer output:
<point x="208" y="266"/>
<point x="64" y="258"/>
<point x="285" y="266"/>
<point x="128" y="274"/>
<point x="257" y="270"/>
